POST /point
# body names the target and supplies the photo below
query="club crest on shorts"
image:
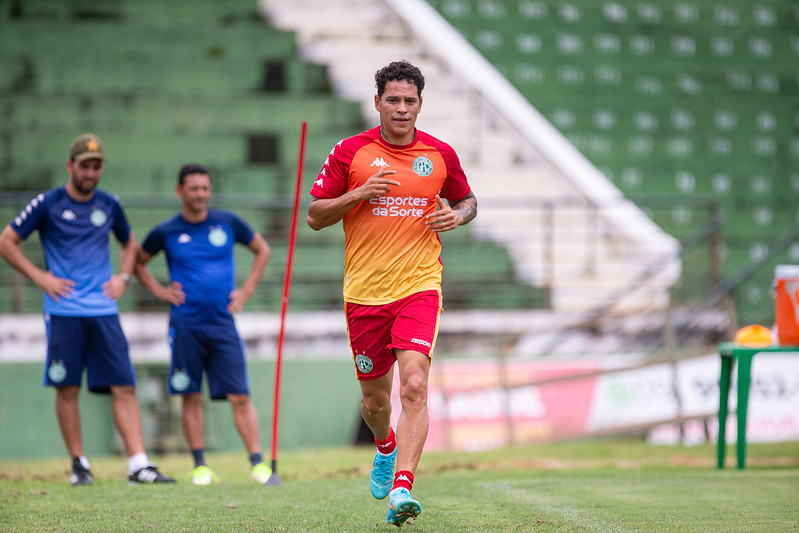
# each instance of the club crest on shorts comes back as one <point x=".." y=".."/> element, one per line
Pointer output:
<point x="422" y="166"/>
<point x="363" y="363"/>
<point x="57" y="372"/>
<point x="217" y="236"/>
<point x="179" y="381"/>
<point x="98" y="217"/>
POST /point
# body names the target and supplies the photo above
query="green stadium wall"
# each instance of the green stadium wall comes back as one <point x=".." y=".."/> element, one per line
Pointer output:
<point x="319" y="407"/>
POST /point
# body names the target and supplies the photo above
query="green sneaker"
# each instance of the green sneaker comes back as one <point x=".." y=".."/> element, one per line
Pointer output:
<point x="202" y="475"/>
<point x="402" y="507"/>
<point x="260" y="473"/>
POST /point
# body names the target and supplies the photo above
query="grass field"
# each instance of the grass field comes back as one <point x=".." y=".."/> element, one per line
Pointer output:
<point x="614" y="486"/>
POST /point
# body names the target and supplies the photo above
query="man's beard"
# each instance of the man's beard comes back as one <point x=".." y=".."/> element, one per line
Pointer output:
<point x="85" y="185"/>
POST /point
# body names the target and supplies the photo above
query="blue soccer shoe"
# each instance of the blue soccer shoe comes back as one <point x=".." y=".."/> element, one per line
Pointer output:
<point x="382" y="475"/>
<point x="401" y="507"/>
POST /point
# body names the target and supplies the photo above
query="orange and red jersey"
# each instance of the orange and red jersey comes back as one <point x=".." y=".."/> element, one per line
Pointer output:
<point x="389" y="251"/>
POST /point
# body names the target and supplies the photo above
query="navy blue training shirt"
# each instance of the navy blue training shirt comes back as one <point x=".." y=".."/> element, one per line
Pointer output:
<point x="74" y="237"/>
<point x="200" y="257"/>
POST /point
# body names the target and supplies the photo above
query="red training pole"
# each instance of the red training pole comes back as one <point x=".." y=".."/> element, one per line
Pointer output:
<point x="274" y="479"/>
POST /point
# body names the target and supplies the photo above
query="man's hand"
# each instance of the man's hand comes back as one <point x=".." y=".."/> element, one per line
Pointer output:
<point x="444" y="219"/>
<point x="172" y="293"/>
<point x="238" y="298"/>
<point x="56" y="287"/>
<point x="324" y="212"/>
<point x="377" y="185"/>
<point x="115" y="287"/>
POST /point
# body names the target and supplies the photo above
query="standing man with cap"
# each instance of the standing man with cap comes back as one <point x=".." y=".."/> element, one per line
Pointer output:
<point x="80" y="303"/>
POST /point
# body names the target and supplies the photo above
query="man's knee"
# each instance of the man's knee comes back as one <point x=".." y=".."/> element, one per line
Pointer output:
<point x="127" y="392"/>
<point x="238" y="401"/>
<point x="192" y="400"/>
<point x="67" y="394"/>
<point x="413" y="392"/>
<point x="375" y="402"/>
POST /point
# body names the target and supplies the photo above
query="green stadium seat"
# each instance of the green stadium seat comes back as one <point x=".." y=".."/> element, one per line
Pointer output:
<point x="678" y="99"/>
<point x="196" y="81"/>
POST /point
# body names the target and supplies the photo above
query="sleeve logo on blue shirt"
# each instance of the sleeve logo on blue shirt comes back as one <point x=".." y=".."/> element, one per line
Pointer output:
<point x="217" y="236"/>
<point x="98" y="217"/>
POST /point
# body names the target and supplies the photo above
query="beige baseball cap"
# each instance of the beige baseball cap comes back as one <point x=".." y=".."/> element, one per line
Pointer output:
<point x="87" y="146"/>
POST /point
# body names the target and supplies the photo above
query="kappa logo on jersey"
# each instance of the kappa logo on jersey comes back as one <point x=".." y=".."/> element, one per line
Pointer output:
<point x="319" y="182"/>
<point x="68" y="215"/>
<point x="23" y="215"/>
<point x="379" y="162"/>
<point x="332" y="151"/>
<point x="184" y="238"/>
<point x="21" y="218"/>
<point x="422" y="342"/>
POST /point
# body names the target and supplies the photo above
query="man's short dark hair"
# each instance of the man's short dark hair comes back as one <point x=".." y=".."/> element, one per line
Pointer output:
<point x="398" y="71"/>
<point x="191" y="168"/>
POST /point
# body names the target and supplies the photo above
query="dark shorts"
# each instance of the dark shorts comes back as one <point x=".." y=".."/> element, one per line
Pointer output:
<point x="377" y="330"/>
<point x="96" y="343"/>
<point x="217" y="351"/>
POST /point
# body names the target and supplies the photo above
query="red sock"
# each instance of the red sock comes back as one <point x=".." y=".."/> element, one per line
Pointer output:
<point x="387" y="446"/>
<point x="403" y="479"/>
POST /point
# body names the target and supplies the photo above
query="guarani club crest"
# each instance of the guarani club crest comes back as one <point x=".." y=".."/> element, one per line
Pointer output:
<point x="363" y="363"/>
<point x="179" y="380"/>
<point x="217" y="236"/>
<point x="57" y="372"/>
<point x="422" y="166"/>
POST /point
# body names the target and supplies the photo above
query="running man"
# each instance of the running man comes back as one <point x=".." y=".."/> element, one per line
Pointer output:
<point x="198" y="243"/>
<point x="80" y="303"/>
<point x="395" y="188"/>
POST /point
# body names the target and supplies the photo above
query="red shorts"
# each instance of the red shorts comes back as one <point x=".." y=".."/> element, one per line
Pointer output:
<point x="377" y="330"/>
